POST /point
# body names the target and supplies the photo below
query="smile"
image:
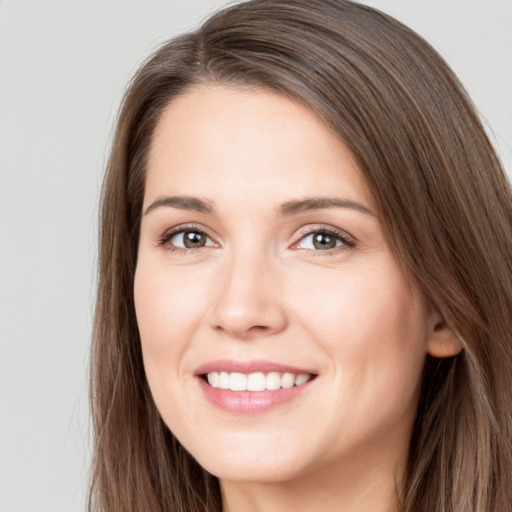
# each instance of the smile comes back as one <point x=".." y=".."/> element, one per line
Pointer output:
<point x="257" y="381"/>
<point x="251" y="387"/>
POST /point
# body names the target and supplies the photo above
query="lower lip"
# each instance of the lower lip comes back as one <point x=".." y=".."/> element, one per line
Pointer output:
<point x="250" y="402"/>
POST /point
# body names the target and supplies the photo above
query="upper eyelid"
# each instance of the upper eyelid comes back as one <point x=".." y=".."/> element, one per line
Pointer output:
<point x="180" y="228"/>
<point x="187" y="226"/>
<point x="325" y="228"/>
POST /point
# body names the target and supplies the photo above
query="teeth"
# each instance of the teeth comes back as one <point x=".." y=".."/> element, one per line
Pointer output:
<point x="274" y="380"/>
<point x="288" y="380"/>
<point x="301" y="379"/>
<point x="256" y="381"/>
<point x="213" y="379"/>
<point x="238" y="382"/>
<point x="224" y="380"/>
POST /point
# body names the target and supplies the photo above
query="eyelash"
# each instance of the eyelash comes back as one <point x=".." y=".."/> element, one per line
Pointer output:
<point x="346" y="241"/>
<point x="168" y="235"/>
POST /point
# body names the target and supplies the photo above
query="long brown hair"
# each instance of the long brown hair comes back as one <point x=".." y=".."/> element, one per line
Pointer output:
<point x="443" y="200"/>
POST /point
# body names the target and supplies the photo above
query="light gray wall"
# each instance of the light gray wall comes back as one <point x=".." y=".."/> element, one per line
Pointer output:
<point x="63" y="67"/>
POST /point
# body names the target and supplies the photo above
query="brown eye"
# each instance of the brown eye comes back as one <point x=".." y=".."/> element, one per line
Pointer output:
<point x="322" y="241"/>
<point x="187" y="239"/>
<point x="194" y="239"/>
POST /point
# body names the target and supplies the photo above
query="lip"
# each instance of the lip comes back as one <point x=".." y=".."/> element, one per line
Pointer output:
<point x="252" y="366"/>
<point x="249" y="402"/>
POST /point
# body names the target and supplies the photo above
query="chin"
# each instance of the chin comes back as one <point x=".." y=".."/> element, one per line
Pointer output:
<point x="254" y="472"/>
<point x="252" y="462"/>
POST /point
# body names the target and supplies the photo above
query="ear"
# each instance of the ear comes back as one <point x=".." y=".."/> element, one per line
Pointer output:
<point x="442" y="341"/>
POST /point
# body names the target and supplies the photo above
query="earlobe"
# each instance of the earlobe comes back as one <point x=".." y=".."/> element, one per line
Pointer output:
<point x="442" y="341"/>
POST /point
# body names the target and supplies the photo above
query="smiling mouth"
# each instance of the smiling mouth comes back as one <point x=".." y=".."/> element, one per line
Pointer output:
<point x="258" y="381"/>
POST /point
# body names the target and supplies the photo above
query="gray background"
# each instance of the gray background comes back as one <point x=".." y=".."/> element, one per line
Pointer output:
<point x="63" y="68"/>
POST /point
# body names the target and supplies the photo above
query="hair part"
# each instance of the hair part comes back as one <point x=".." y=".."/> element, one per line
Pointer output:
<point x="444" y="203"/>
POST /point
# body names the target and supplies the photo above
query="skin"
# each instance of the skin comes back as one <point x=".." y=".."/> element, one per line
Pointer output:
<point x="260" y="289"/>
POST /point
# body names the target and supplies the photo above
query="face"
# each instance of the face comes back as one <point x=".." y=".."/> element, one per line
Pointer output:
<point x="279" y="335"/>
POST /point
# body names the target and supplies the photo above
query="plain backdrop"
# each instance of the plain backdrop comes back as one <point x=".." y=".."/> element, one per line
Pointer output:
<point x="63" y="68"/>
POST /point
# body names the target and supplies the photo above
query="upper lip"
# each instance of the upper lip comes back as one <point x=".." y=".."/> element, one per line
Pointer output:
<point x="252" y="366"/>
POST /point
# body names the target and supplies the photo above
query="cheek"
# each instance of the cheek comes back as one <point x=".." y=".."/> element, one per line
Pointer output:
<point x="366" y="307"/>
<point x="374" y="332"/>
<point x="167" y="305"/>
<point x="373" y="326"/>
<point x="165" y="317"/>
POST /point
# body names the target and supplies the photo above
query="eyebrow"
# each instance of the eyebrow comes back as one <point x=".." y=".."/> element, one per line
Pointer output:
<point x="318" y="203"/>
<point x="286" y="209"/>
<point x="182" y="203"/>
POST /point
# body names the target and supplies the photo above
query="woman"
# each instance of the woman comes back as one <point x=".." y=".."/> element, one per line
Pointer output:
<point x="305" y="276"/>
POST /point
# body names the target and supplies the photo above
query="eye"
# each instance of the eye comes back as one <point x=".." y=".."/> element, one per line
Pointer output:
<point x="323" y="240"/>
<point x="186" y="238"/>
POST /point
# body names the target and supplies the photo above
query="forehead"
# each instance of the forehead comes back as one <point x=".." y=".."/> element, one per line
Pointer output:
<point x="221" y="141"/>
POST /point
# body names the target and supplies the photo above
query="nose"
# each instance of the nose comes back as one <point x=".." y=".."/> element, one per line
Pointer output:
<point x="249" y="300"/>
